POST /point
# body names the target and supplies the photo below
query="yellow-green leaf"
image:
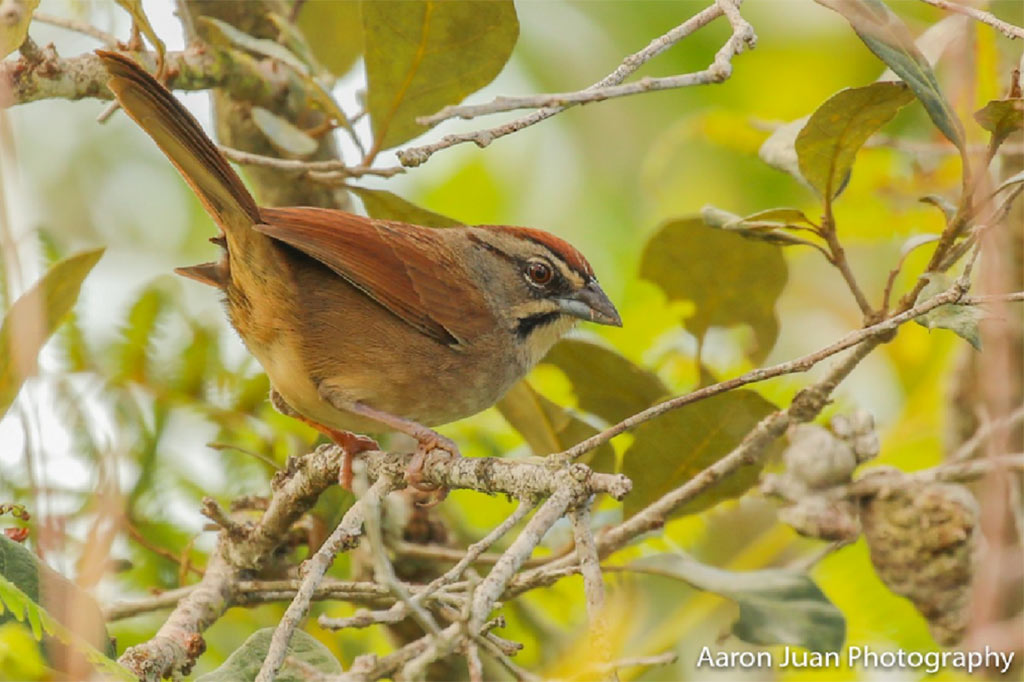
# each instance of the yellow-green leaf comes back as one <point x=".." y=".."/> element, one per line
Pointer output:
<point x="134" y="8"/>
<point x="34" y="317"/>
<point x="14" y="28"/>
<point x="605" y="383"/>
<point x="422" y="55"/>
<point x="672" y="449"/>
<point x="334" y="31"/>
<point x="547" y="427"/>
<point x="382" y="204"/>
<point x="731" y="280"/>
<point x="887" y="36"/>
<point x="829" y="141"/>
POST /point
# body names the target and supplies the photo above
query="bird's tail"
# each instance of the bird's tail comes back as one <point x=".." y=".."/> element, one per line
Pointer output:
<point x="189" y="148"/>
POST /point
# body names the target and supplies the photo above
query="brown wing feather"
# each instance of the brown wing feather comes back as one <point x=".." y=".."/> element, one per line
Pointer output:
<point x="405" y="268"/>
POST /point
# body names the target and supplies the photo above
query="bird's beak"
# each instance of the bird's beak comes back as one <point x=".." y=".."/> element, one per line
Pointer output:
<point x="591" y="303"/>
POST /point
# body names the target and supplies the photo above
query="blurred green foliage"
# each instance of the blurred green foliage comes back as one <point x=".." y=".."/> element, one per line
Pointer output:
<point x="145" y="373"/>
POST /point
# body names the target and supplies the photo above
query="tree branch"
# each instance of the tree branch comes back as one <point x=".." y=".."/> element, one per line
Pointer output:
<point x="1007" y="29"/>
<point x="608" y="87"/>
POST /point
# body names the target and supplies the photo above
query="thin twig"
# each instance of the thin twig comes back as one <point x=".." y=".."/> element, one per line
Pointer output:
<point x="801" y="364"/>
<point x="1007" y="29"/>
<point x="970" y="446"/>
<point x="608" y="87"/>
<point x="331" y="166"/>
<point x="345" y="535"/>
<point x="78" y="27"/>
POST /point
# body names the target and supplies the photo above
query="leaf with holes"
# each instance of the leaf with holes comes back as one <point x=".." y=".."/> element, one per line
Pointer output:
<point x="887" y="36"/>
<point x="422" y="56"/>
<point x="829" y="141"/>
<point x="670" y="450"/>
<point x="777" y="606"/>
<point x="605" y="383"/>
<point x="730" y="280"/>
<point x="547" y="427"/>
<point x="34" y="317"/>
<point x="382" y="204"/>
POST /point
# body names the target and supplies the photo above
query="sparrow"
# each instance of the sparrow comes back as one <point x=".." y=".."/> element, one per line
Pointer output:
<point x="367" y="325"/>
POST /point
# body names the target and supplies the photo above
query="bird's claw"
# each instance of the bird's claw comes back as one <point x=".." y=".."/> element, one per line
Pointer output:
<point x="414" y="471"/>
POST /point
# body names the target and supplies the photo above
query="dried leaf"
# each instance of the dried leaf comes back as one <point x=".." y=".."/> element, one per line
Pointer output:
<point x="828" y="143"/>
<point x="422" y="56"/>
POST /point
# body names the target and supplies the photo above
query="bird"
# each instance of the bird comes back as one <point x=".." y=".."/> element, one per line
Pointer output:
<point x="365" y="325"/>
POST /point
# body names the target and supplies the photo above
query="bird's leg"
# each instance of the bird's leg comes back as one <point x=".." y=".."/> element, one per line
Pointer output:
<point x="351" y="444"/>
<point x="426" y="438"/>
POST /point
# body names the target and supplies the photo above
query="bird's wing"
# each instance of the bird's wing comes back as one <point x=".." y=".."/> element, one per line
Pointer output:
<point x="406" y="268"/>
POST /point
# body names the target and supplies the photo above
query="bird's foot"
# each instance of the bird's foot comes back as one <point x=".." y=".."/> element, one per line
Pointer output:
<point x="351" y="444"/>
<point x="414" y="471"/>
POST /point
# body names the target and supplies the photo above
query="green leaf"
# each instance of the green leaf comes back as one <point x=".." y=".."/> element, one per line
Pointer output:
<point x="422" y="56"/>
<point x="26" y="584"/>
<point x="787" y="216"/>
<point x="244" y="663"/>
<point x="131" y="354"/>
<point x="961" y="319"/>
<point x="34" y="317"/>
<point x="1001" y="117"/>
<point x="829" y="141"/>
<point x="287" y="138"/>
<point x="384" y="205"/>
<point x="605" y="383"/>
<point x="14" y="29"/>
<point x="334" y="31"/>
<point x="672" y="449"/>
<point x="547" y="427"/>
<point x="887" y="36"/>
<point x="776" y="606"/>
<point x="729" y="279"/>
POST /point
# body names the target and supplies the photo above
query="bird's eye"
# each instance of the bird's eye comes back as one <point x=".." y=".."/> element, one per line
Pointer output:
<point x="539" y="272"/>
